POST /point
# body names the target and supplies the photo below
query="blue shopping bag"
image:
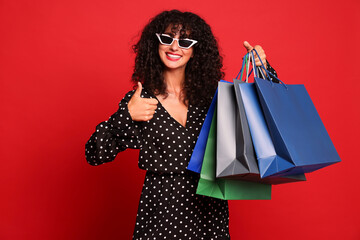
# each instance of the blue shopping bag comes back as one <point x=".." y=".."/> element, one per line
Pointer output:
<point x="249" y="105"/>
<point x="197" y="156"/>
<point x="263" y="144"/>
<point x="299" y="136"/>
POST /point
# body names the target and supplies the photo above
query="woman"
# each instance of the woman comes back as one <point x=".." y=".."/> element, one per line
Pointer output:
<point x="177" y="68"/>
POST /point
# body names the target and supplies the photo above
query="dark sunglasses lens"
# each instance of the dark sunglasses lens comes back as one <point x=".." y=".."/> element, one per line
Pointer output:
<point x="166" y="39"/>
<point x="185" y="43"/>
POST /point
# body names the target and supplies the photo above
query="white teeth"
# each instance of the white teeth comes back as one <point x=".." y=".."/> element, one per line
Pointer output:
<point x="173" y="56"/>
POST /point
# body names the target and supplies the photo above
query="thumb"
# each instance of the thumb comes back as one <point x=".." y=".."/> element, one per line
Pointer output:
<point x="138" y="90"/>
<point x="248" y="46"/>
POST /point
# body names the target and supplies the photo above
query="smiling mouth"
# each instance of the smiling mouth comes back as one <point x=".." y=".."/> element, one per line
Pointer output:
<point x="172" y="57"/>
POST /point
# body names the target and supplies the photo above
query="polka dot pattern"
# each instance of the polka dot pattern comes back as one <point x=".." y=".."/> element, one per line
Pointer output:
<point x="169" y="208"/>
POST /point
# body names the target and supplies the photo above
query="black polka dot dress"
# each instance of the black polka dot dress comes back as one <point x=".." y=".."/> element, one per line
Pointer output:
<point x="169" y="207"/>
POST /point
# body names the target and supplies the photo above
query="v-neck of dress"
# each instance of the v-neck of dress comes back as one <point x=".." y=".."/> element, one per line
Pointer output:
<point x="187" y="115"/>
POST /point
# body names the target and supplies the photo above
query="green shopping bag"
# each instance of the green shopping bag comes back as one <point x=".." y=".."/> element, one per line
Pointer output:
<point x="227" y="189"/>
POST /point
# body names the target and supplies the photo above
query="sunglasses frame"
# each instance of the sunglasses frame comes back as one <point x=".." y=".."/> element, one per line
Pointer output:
<point x="193" y="42"/>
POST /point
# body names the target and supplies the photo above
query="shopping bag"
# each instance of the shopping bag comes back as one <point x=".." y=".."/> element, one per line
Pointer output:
<point x="234" y="149"/>
<point x="228" y="189"/>
<point x="249" y="108"/>
<point x="300" y="138"/>
<point x="197" y="156"/>
<point x="260" y="135"/>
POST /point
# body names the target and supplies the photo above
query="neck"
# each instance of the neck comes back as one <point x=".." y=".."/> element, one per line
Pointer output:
<point x="174" y="80"/>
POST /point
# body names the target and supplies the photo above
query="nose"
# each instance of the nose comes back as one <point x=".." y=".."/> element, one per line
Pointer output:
<point x="175" y="45"/>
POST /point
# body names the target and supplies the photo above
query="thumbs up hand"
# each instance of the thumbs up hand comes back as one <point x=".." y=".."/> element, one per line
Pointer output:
<point x="260" y="51"/>
<point x="141" y="109"/>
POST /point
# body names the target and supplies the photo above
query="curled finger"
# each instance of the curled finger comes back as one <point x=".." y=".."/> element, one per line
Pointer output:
<point x="146" y="118"/>
<point x="148" y="112"/>
<point x="258" y="48"/>
<point x="151" y="101"/>
<point x="150" y="109"/>
<point x="259" y="63"/>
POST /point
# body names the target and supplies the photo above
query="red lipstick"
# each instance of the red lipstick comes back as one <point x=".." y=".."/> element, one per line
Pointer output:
<point x="173" y="58"/>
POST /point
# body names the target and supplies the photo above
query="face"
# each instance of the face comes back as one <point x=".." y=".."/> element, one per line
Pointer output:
<point x="173" y="56"/>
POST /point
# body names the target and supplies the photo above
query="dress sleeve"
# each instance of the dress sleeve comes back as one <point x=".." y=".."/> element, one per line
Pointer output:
<point x="116" y="134"/>
<point x="272" y="71"/>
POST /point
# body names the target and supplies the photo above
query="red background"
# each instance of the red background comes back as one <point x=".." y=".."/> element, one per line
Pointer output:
<point x="65" y="65"/>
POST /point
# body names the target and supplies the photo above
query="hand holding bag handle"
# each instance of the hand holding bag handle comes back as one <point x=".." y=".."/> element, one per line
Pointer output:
<point x="262" y="68"/>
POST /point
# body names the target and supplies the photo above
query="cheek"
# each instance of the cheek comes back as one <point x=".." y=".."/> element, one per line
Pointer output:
<point x="162" y="47"/>
<point x="161" y="50"/>
<point x="190" y="53"/>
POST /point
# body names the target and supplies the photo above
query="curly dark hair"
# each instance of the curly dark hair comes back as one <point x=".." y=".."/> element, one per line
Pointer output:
<point x="203" y="70"/>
